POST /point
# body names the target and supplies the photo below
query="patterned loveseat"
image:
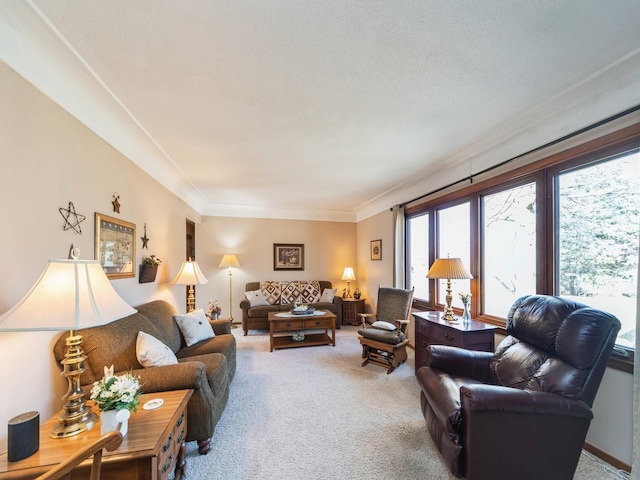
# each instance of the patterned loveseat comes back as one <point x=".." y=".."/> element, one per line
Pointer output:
<point x="281" y="296"/>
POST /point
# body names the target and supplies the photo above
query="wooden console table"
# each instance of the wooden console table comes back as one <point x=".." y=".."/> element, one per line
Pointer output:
<point x="281" y="329"/>
<point x="432" y="328"/>
<point x="153" y="448"/>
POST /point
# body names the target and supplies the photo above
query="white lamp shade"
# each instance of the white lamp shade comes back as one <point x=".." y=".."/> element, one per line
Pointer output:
<point x="190" y="274"/>
<point x="69" y="295"/>
<point x="451" y="268"/>
<point x="229" y="260"/>
<point x="348" y="274"/>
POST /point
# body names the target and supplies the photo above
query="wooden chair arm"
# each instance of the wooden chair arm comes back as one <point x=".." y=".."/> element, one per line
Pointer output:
<point x="364" y="316"/>
<point x="402" y="325"/>
<point x="110" y="441"/>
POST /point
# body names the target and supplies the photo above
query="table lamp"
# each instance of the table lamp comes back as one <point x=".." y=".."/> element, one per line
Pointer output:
<point x="190" y="274"/>
<point x="348" y="275"/>
<point x="77" y="294"/>
<point x="229" y="261"/>
<point x="448" y="268"/>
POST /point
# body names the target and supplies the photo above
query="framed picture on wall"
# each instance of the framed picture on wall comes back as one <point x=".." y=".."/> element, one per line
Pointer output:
<point x="288" y="256"/>
<point x="376" y="249"/>
<point x="115" y="246"/>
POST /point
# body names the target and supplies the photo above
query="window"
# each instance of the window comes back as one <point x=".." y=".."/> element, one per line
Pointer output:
<point x="418" y="255"/>
<point x="567" y="224"/>
<point x="508" y="247"/>
<point x="598" y="230"/>
<point x="453" y="241"/>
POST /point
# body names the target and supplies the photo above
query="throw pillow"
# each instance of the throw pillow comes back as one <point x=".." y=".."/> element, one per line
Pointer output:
<point x="194" y="326"/>
<point x="328" y="294"/>
<point x="151" y="352"/>
<point x="384" y="325"/>
<point x="256" y="298"/>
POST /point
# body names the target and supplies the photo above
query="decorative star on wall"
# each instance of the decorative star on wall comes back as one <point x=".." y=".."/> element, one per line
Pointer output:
<point x="116" y="203"/>
<point x="144" y="239"/>
<point x="71" y="218"/>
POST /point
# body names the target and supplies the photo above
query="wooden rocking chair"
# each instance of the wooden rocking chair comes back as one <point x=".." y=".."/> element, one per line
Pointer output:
<point x="385" y="343"/>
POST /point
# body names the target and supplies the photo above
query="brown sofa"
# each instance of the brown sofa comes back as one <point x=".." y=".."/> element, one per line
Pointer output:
<point x="207" y="367"/>
<point x="257" y="317"/>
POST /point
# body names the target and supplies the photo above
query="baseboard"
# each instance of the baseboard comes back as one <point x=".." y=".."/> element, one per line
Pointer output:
<point x="601" y="454"/>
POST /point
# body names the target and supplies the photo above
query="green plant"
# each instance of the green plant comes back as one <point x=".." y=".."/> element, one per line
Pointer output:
<point x="116" y="392"/>
<point x="152" y="261"/>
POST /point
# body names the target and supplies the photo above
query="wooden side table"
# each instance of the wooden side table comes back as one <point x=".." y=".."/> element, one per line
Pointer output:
<point x="351" y="308"/>
<point x="153" y="448"/>
<point x="432" y="329"/>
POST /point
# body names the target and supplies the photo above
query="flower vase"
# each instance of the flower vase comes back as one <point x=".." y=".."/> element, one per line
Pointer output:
<point x="466" y="316"/>
<point x="109" y="420"/>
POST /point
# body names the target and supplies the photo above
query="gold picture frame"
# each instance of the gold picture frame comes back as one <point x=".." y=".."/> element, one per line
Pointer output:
<point x="376" y="249"/>
<point x="288" y="256"/>
<point x="115" y="246"/>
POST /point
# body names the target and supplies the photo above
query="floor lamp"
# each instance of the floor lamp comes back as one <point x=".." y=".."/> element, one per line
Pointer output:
<point x="229" y="261"/>
<point x="190" y="274"/>
<point x="448" y="268"/>
<point x="69" y="295"/>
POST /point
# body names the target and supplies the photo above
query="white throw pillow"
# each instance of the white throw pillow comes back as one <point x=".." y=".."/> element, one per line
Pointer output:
<point x="151" y="352"/>
<point x="328" y="294"/>
<point x="256" y="298"/>
<point x="384" y="325"/>
<point x="194" y="326"/>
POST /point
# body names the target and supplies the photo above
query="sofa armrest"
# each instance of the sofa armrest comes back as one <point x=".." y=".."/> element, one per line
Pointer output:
<point x="220" y="326"/>
<point x="460" y="362"/>
<point x="180" y="376"/>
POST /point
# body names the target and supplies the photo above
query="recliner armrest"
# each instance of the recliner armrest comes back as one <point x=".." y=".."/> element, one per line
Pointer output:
<point x="460" y="362"/>
<point x="499" y="399"/>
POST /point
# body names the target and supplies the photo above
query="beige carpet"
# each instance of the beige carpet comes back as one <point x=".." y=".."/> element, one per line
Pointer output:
<point x="315" y="413"/>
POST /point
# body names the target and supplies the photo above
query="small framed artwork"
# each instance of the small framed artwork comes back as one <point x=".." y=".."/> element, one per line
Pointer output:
<point x="115" y="246"/>
<point x="376" y="249"/>
<point x="288" y="256"/>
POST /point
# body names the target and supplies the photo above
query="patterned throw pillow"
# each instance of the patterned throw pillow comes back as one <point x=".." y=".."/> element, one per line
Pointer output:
<point x="310" y="292"/>
<point x="272" y="292"/>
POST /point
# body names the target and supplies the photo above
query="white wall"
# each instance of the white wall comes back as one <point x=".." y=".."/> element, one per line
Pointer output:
<point x="48" y="159"/>
<point x="329" y="247"/>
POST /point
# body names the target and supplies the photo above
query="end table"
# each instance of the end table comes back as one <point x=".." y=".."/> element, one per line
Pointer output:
<point x="351" y="308"/>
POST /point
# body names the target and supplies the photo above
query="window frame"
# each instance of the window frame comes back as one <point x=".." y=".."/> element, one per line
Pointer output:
<point x="542" y="172"/>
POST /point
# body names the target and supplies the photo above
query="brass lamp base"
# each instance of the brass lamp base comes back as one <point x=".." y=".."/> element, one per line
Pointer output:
<point x="77" y="416"/>
<point x="448" y="312"/>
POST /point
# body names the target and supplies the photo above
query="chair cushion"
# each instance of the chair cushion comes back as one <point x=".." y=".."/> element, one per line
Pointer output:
<point x="384" y="336"/>
<point x="381" y="324"/>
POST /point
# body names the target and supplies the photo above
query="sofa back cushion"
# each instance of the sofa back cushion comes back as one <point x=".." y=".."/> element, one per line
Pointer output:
<point x="110" y="344"/>
<point x="162" y="313"/>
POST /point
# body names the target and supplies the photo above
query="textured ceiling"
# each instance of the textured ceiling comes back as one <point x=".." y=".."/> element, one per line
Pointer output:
<point x="324" y="105"/>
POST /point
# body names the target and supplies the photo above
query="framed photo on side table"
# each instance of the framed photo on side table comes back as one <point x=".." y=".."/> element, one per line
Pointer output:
<point x="115" y="246"/>
<point x="288" y="256"/>
<point x="376" y="249"/>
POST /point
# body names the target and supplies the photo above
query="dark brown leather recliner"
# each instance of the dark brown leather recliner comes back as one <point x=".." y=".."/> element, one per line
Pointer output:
<point x="522" y="412"/>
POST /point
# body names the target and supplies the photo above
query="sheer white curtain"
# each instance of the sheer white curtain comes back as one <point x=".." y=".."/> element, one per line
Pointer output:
<point x="635" y="461"/>
<point x="398" y="246"/>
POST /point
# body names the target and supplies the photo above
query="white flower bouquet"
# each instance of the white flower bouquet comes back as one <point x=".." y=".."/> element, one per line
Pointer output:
<point x="119" y="392"/>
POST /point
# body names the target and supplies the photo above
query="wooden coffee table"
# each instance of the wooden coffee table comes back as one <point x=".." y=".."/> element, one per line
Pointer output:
<point x="282" y="326"/>
<point x="153" y="448"/>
